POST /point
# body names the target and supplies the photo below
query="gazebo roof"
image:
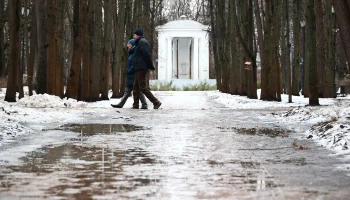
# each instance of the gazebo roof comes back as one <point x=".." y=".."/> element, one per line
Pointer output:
<point x="183" y="25"/>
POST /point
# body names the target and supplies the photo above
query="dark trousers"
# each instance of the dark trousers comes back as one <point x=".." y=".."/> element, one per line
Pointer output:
<point x="141" y="85"/>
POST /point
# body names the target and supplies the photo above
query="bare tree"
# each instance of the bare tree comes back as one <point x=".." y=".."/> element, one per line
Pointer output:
<point x="311" y="51"/>
<point x="118" y="78"/>
<point x="2" y="24"/>
<point x="107" y="48"/>
<point x="33" y="49"/>
<point x="52" y="48"/>
<point x="15" y="45"/>
<point x="80" y="23"/>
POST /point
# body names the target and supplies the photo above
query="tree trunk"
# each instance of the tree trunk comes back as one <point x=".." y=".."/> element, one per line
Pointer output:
<point x="146" y="6"/>
<point x="26" y="35"/>
<point x="233" y="49"/>
<point x="60" y="49"/>
<point x="311" y="52"/>
<point x="107" y="48"/>
<point x="252" y="74"/>
<point x="42" y="46"/>
<point x="2" y="23"/>
<point x="119" y="68"/>
<point x="85" y="80"/>
<point x="33" y="49"/>
<point x="97" y="50"/>
<point x="215" y="43"/>
<point x="270" y="83"/>
<point x="329" y="51"/>
<point x="259" y="27"/>
<point x="129" y="19"/>
<point x="289" y="75"/>
<point x="342" y="11"/>
<point x="15" y="45"/>
<point x="52" y="47"/>
<point x="136" y="14"/>
<point x="296" y="52"/>
<point x="79" y="23"/>
<point x="321" y="48"/>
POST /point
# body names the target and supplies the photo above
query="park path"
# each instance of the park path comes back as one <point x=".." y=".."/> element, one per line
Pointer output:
<point x="192" y="148"/>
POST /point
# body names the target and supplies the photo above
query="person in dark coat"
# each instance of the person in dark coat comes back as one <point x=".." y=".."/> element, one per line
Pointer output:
<point x="142" y="62"/>
<point x="130" y="75"/>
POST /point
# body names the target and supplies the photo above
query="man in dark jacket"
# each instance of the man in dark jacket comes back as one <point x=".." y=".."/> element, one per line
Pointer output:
<point x="142" y="62"/>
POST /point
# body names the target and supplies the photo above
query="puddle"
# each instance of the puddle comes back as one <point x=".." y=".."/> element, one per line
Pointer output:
<point x="93" y="129"/>
<point x="79" y="172"/>
<point x="277" y="132"/>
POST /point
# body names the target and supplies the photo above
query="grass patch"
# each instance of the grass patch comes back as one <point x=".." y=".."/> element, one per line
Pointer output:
<point x="168" y="86"/>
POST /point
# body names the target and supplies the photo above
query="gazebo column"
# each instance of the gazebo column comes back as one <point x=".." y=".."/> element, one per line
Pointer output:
<point x="174" y="66"/>
<point x="162" y="54"/>
<point x="195" y="68"/>
<point x="169" y="58"/>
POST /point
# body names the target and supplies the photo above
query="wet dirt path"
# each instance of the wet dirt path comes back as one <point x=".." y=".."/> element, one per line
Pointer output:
<point x="198" y="151"/>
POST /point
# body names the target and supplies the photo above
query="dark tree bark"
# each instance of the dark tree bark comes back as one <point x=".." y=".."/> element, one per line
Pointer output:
<point x="26" y="36"/>
<point x="85" y="81"/>
<point x="119" y="68"/>
<point x="60" y="49"/>
<point x="330" y="48"/>
<point x="107" y="49"/>
<point x="146" y="7"/>
<point x="259" y="27"/>
<point x="97" y="51"/>
<point x="289" y="72"/>
<point x="321" y="49"/>
<point x="296" y="52"/>
<point x="52" y="48"/>
<point x="342" y="11"/>
<point x="2" y="23"/>
<point x="42" y="46"/>
<point x="79" y="23"/>
<point x="15" y="45"/>
<point x="214" y="37"/>
<point x="311" y="52"/>
<point x="270" y="82"/>
<point x="33" y="49"/>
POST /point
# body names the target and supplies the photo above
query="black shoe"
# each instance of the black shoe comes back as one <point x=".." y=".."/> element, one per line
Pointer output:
<point x="116" y="106"/>
<point x="157" y="105"/>
<point x="144" y="106"/>
<point x="134" y="107"/>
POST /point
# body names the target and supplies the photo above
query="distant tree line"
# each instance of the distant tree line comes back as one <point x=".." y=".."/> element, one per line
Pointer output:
<point x="79" y="44"/>
<point x="296" y="44"/>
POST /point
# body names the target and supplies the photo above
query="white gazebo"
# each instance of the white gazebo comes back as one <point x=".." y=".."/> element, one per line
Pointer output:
<point x="183" y="50"/>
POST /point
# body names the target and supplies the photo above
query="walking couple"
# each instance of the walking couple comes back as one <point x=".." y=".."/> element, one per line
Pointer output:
<point x="139" y="63"/>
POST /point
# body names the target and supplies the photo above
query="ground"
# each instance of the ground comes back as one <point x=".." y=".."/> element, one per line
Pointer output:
<point x="199" y="145"/>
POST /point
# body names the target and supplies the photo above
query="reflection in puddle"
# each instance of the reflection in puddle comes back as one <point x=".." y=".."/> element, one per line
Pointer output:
<point x="93" y="129"/>
<point x="80" y="172"/>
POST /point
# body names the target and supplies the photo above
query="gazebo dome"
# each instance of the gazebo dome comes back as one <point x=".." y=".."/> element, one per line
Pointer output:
<point x="183" y="24"/>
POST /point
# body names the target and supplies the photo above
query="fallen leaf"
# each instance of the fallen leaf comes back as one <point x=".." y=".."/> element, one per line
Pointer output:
<point x="303" y="148"/>
<point x="294" y="144"/>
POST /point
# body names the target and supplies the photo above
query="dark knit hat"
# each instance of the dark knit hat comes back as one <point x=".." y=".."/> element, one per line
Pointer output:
<point x="132" y="42"/>
<point x="138" y="32"/>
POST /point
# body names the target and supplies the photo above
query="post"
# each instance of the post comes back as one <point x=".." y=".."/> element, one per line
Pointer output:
<point x="335" y="50"/>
